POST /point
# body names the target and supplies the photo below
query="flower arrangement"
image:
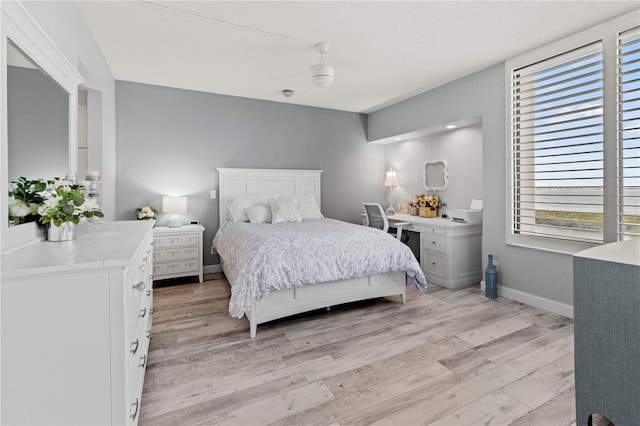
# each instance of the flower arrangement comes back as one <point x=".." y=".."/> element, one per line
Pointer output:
<point x="25" y="196"/>
<point x="64" y="201"/>
<point x="423" y="200"/>
<point x="146" y="213"/>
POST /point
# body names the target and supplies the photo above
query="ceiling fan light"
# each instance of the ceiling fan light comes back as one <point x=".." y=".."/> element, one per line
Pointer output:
<point x="322" y="75"/>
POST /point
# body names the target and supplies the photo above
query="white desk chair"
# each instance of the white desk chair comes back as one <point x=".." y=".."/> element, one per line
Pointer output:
<point x="377" y="218"/>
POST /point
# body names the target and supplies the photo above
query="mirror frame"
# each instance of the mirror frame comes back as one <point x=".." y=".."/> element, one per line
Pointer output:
<point x="445" y="176"/>
<point x="23" y="30"/>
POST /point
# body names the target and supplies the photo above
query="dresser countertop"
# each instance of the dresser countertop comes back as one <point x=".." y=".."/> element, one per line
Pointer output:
<point x="104" y="244"/>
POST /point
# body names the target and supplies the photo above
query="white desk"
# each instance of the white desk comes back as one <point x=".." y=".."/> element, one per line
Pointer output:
<point x="450" y="252"/>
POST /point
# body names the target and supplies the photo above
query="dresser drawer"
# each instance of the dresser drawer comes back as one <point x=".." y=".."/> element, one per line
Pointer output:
<point x="435" y="242"/>
<point x="434" y="263"/>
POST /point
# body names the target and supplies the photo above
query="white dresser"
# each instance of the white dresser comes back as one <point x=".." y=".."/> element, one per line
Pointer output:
<point x="76" y="324"/>
<point x="177" y="251"/>
<point x="450" y="252"/>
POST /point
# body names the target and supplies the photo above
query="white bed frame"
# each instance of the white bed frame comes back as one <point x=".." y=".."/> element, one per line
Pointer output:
<point x="283" y="303"/>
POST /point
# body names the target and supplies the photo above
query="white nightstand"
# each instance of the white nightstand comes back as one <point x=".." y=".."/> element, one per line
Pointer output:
<point x="177" y="252"/>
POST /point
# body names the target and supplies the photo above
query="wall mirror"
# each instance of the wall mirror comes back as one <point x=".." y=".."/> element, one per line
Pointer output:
<point x="39" y="113"/>
<point x="436" y="175"/>
<point x="37" y="120"/>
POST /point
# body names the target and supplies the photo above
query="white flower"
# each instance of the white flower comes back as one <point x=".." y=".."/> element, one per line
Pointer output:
<point x="89" y="204"/>
<point x="146" y="212"/>
<point x="18" y="208"/>
<point x="48" y="204"/>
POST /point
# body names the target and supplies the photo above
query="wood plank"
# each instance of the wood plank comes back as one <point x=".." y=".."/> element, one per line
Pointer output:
<point x="429" y="410"/>
<point x="497" y="408"/>
<point x="544" y="384"/>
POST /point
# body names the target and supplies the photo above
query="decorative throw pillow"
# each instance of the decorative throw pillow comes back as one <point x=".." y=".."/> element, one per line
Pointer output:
<point x="307" y="206"/>
<point x="284" y="210"/>
<point x="259" y="214"/>
<point x="238" y="207"/>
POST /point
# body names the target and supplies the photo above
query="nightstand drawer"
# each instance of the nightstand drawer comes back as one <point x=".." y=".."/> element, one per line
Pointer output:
<point x="168" y="255"/>
<point x="188" y="240"/>
<point x="176" y="267"/>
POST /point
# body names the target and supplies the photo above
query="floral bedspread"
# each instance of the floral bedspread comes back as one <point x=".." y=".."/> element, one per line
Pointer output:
<point x="265" y="257"/>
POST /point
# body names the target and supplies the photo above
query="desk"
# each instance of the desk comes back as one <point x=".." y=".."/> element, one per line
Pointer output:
<point x="450" y="252"/>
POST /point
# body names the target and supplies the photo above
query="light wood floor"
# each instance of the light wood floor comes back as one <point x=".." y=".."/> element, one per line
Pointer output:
<point x="444" y="358"/>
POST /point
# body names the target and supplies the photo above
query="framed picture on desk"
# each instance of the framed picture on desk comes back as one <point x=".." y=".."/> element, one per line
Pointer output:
<point x="402" y="207"/>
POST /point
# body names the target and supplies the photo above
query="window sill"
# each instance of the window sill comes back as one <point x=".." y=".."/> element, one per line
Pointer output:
<point x="547" y="244"/>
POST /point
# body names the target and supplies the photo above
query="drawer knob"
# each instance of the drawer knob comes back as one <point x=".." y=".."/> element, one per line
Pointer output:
<point x="433" y="263"/>
<point x="154" y="244"/>
<point x="134" y="407"/>
<point x="143" y="361"/>
<point x="143" y="312"/>
<point x="148" y="292"/>
<point x="433" y="242"/>
<point x="134" y="347"/>
<point x="140" y="286"/>
<point x="149" y="334"/>
<point x="151" y="311"/>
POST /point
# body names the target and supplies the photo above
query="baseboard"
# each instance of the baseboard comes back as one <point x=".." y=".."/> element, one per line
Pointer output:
<point x="536" y="301"/>
<point x="211" y="269"/>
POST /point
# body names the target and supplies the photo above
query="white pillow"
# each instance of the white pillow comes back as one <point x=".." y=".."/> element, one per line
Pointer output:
<point x="240" y="204"/>
<point x="259" y="214"/>
<point x="284" y="210"/>
<point x="307" y="206"/>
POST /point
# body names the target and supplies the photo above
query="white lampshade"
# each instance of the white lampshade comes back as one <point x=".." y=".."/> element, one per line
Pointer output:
<point x="174" y="206"/>
<point x="391" y="179"/>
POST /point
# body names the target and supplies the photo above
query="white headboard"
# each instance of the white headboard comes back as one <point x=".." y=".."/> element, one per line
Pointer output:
<point x="235" y="182"/>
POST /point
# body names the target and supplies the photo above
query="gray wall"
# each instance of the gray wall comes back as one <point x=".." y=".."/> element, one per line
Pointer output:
<point x="529" y="274"/>
<point x="170" y="141"/>
<point x="461" y="148"/>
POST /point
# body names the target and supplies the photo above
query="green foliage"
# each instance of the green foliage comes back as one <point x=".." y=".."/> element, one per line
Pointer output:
<point x="53" y="201"/>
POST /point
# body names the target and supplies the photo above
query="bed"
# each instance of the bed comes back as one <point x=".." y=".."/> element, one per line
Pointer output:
<point x="278" y="270"/>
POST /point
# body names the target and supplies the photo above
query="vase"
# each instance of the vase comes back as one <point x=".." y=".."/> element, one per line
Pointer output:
<point x="428" y="212"/>
<point x="65" y="232"/>
<point x="413" y="210"/>
<point x="490" y="277"/>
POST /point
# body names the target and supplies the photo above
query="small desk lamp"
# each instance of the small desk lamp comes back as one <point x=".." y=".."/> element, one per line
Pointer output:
<point x="391" y="181"/>
<point x="174" y="206"/>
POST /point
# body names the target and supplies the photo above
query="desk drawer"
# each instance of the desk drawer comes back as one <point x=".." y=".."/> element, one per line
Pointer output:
<point x="426" y="229"/>
<point x="435" y="242"/>
<point x="434" y="263"/>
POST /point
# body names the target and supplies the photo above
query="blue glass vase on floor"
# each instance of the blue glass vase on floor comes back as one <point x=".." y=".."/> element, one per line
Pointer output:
<point x="490" y="277"/>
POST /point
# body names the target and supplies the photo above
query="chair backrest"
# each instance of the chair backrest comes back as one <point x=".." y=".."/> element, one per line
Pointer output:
<point x="376" y="216"/>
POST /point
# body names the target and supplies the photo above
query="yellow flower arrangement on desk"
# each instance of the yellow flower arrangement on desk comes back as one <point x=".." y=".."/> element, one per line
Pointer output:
<point x="427" y="205"/>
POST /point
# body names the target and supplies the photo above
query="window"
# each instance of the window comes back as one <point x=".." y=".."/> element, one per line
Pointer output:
<point x="574" y="132"/>
<point x="629" y="134"/>
<point x="557" y="146"/>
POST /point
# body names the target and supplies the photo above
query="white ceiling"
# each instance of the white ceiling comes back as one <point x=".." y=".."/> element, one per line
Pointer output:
<point x="382" y="51"/>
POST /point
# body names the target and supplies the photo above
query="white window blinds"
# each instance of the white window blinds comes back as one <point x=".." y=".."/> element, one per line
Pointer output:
<point x="557" y="146"/>
<point x="628" y="60"/>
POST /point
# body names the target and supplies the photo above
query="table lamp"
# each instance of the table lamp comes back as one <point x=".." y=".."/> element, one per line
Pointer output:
<point x="174" y="206"/>
<point x="391" y="180"/>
